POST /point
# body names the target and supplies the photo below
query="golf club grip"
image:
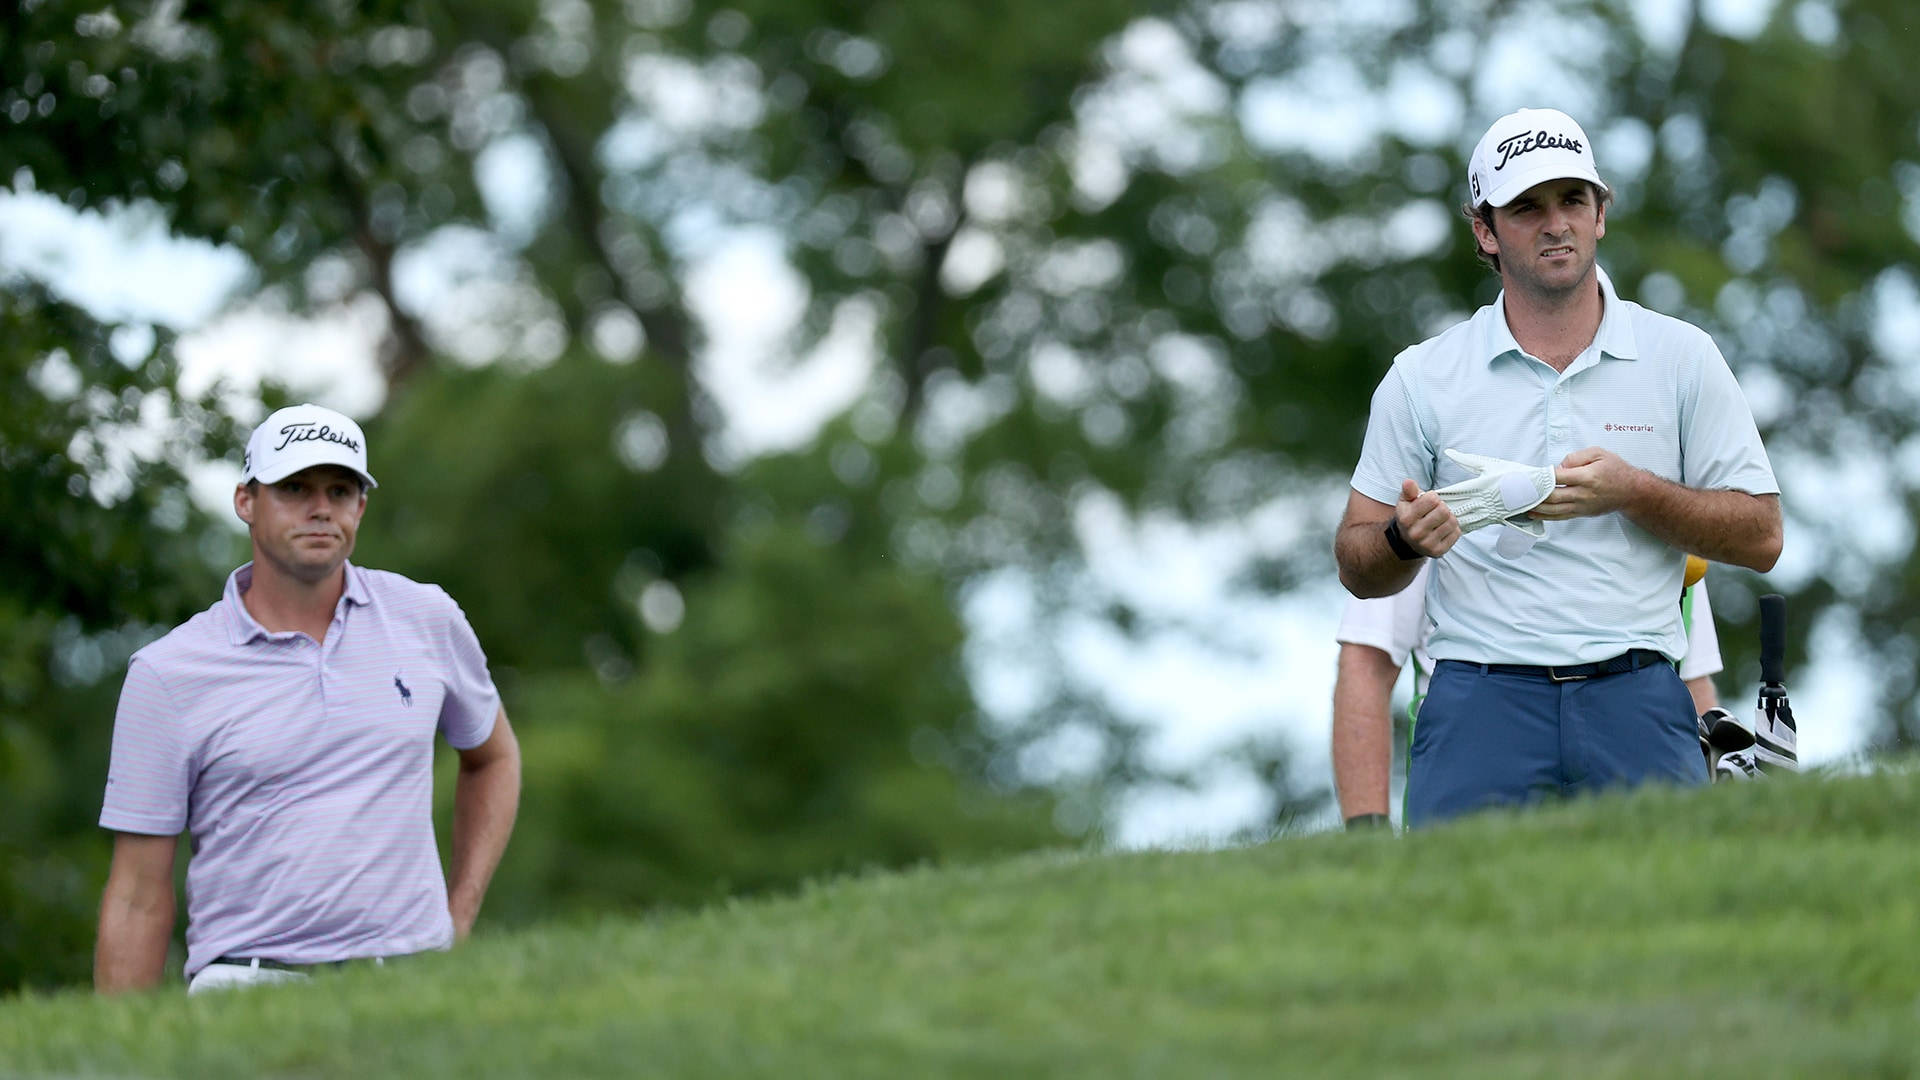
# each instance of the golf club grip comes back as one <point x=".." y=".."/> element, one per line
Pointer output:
<point x="1773" y="639"/>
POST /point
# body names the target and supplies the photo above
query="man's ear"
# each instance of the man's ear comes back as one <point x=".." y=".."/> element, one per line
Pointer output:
<point x="243" y="503"/>
<point x="1489" y="243"/>
<point x="1600" y="220"/>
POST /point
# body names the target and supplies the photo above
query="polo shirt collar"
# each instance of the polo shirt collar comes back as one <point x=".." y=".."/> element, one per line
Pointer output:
<point x="242" y="627"/>
<point x="1614" y="338"/>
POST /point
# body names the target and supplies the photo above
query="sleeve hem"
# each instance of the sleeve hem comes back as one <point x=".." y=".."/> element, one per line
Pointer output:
<point x="142" y="824"/>
<point x="486" y="730"/>
<point x="1360" y="484"/>
<point x="1373" y="639"/>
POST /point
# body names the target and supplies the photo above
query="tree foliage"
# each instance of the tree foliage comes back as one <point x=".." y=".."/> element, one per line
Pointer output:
<point x="1100" y="253"/>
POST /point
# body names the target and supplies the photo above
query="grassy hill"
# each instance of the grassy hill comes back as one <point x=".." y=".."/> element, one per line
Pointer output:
<point x="1758" y="930"/>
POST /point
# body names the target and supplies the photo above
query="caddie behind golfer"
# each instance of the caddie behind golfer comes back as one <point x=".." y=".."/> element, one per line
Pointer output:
<point x="1552" y="456"/>
<point x="289" y="730"/>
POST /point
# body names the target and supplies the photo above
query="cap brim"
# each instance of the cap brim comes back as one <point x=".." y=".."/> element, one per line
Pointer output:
<point x="1514" y="186"/>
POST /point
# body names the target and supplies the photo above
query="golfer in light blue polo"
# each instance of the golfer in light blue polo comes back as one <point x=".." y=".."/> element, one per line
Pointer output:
<point x="1553" y="457"/>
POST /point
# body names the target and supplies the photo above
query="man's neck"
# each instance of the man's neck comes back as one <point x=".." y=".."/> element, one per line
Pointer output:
<point x="280" y="602"/>
<point x="1556" y="329"/>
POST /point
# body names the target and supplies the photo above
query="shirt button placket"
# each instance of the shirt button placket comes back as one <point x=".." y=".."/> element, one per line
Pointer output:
<point x="320" y="670"/>
<point x="1557" y="437"/>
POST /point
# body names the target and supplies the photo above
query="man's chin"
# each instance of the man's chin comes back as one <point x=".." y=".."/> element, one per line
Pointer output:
<point x="312" y="568"/>
<point x="1560" y="281"/>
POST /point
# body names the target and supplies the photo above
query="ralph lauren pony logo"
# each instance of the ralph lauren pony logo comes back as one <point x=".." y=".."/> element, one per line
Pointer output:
<point x="406" y="695"/>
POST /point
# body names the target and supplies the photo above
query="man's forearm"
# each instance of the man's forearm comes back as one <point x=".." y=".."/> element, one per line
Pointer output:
<point x="1363" y="730"/>
<point x="1368" y="566"/>
<point x="485" y="801"/>
<point x="1703" y="693"/>
<point x="131" y="952"/>
<point x="1720" y="526"/>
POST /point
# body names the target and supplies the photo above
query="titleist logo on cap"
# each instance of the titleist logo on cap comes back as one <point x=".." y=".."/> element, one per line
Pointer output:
<point x="1528" y="141"/>
<point x="307" y="432"/>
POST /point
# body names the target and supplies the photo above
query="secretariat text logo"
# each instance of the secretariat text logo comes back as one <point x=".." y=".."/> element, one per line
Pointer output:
<point x="1642" y="428"/>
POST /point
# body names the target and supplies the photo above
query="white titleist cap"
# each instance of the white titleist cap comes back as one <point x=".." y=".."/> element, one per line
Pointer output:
<point x="1525" y="148"/>
<point x="300" y="437"/>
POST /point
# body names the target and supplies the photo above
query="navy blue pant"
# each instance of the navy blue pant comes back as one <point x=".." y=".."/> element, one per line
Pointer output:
<point x="1489" y="738"/>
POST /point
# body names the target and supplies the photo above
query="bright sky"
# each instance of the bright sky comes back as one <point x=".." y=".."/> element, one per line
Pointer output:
<point x="1272" y="674"/>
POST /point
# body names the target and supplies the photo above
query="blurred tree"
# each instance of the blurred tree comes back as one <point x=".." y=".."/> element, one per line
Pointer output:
<point x="99" y="546"/>
<point x="1117" y="261"/>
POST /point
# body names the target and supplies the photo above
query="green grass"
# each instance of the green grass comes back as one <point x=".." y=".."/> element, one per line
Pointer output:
<point x="1755" y="930"/>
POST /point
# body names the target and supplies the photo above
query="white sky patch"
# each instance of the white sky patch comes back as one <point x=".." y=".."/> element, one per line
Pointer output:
<point x="1662" y="24"/>
<point x="123" y="267"/>
<point x="511" y="173"/>
<point x="1623" y="150"/>
<point x="1155" y="50"/>
<point x="1228" y="801"/>
<point x="1513" y="75"/>
<point x="476" y="302"/>
<point x="1833" y="701"/>
<point x="749" y="299"/>
<point x="999" y="608"/>
<point x="972" y="259"/>
<point x="1202" y="699"/>
<point x="330" y="358"/>
<point x="1896" y="330"/>
<point x="1736" y="18"/>
<point x="1323" y="109"/>
<point x="1422" y="106"/>
<point x="1155" y="104"/>
<point x="955" y="409"/>
<point x="1417" y="229"/>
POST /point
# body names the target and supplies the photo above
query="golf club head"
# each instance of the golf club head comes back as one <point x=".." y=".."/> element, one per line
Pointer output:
<point x="1724" y="732"/>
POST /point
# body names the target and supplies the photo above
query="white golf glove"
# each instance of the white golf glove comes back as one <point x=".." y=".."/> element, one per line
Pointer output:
<point x="1499" y="493"/>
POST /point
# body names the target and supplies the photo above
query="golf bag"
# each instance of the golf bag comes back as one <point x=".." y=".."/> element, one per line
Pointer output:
<point x="1735" y="751"/>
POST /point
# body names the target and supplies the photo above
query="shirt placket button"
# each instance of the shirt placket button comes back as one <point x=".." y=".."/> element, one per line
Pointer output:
<point x="1557" y="416"/>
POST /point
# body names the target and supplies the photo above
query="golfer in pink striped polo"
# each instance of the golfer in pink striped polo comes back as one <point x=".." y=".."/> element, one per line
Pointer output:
<point x="289" y="730"/>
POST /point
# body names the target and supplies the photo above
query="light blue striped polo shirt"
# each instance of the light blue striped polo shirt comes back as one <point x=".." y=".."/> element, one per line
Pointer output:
<point x="1651" y="388"/>
<point x="303" y="771"/>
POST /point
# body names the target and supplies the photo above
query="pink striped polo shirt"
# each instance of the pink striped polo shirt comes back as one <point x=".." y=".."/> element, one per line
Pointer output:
<point x="303" y="771"/>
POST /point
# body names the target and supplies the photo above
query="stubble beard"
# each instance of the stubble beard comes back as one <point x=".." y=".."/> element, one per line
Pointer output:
<point x="1545" y="293"/>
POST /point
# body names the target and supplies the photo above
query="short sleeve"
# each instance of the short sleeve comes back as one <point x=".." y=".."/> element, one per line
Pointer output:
<point x="1703" y="643"/>
<point x="150" y="773"/>
<point x="1395" y="448"/>
<point x="1392" y="624"/>
<point x="1720" y="445"/>
<point x="471" y="703"/>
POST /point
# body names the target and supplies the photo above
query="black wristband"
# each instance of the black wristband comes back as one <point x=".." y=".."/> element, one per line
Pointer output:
<point x="1360" y="822"/>
<point x="1399" y="543"/>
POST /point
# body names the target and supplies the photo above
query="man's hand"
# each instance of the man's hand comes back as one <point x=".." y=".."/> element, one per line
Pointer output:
<point x="1591" y="482"/>
<point x="1426" y="523"/>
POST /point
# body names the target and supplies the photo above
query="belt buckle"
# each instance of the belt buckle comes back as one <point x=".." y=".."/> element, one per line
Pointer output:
<point x="1554" y="674"/>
